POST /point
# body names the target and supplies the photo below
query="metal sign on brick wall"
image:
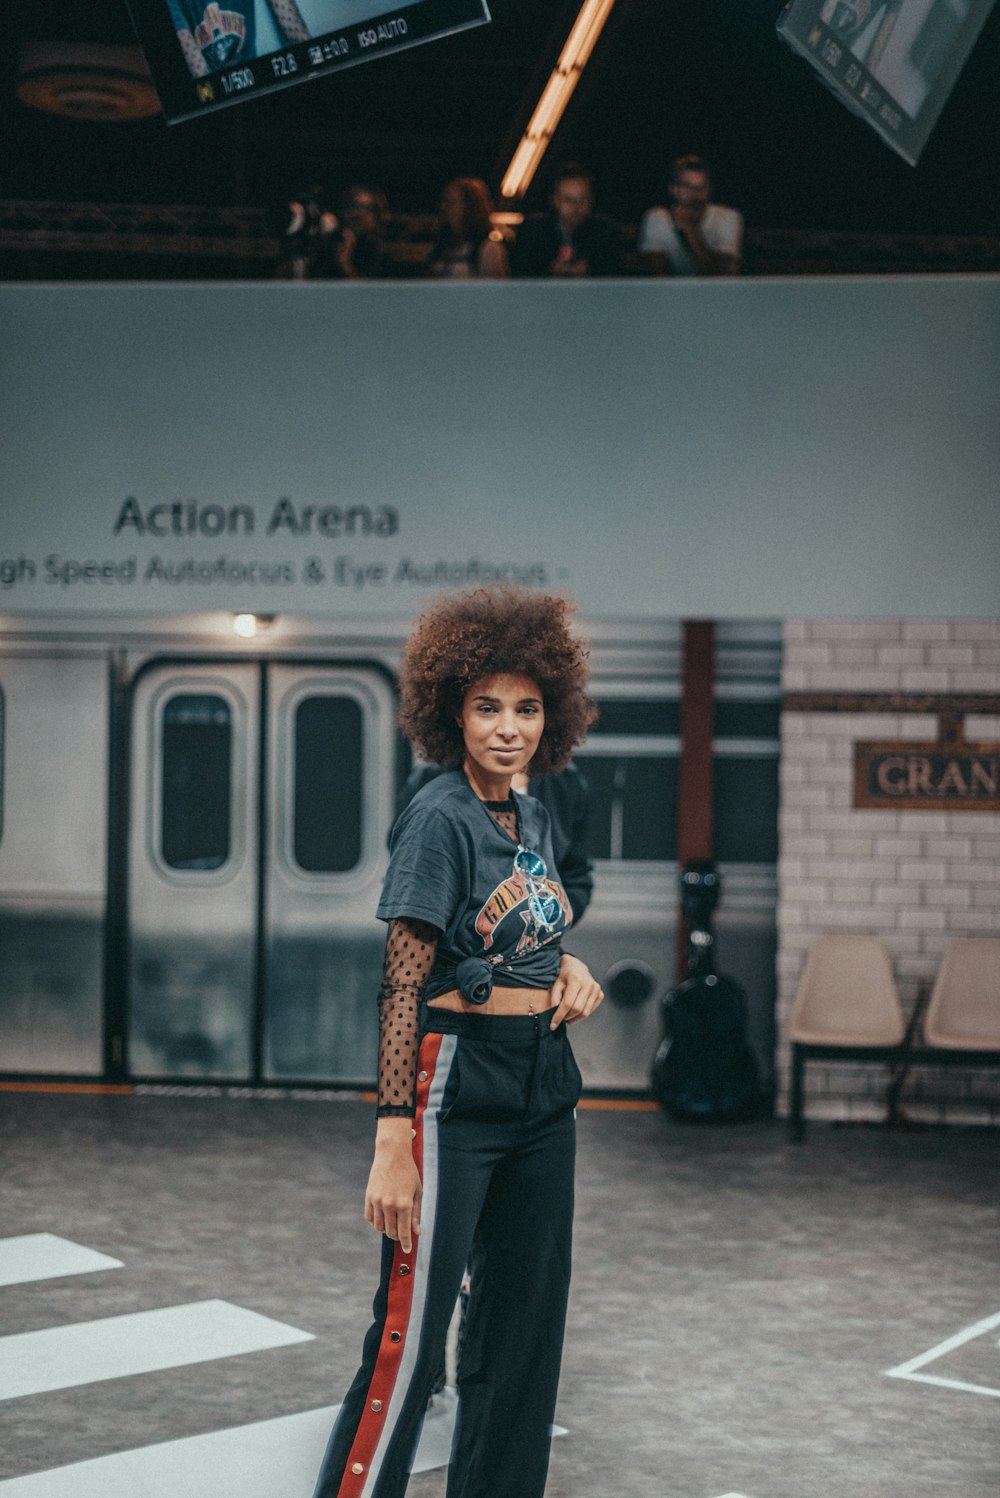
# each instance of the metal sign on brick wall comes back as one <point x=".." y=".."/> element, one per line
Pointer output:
<point x="949" y="774"/>
<point x="908" y="776"/>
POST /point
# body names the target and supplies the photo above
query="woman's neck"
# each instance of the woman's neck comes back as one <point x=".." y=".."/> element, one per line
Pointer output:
<point x="487" y="787"/>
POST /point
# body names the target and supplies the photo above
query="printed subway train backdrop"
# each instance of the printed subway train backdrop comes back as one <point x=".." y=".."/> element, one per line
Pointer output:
<point x="194" y="837"/>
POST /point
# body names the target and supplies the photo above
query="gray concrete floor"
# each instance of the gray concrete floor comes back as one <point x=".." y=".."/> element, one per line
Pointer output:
<point x="736" y="1301"/>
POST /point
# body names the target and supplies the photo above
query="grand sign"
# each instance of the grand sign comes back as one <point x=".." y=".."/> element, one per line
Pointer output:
<point x="927" y="777"/>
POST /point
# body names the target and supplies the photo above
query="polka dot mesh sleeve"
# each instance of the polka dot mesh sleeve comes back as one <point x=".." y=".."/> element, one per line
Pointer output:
<point x="409" y="955"/>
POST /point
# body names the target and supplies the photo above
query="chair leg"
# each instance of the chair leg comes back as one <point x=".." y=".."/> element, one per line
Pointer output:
<point x="796" y="1118"/>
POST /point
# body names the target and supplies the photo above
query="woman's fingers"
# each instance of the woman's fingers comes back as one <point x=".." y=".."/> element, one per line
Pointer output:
<point x="589" y="1004"/>
<point x="394" y="1220"/>
<point x="392" y="1200"/>
<point x="575" y="993"/>
<point x="586" y="1008"/>
<point x="579" y="1001"/>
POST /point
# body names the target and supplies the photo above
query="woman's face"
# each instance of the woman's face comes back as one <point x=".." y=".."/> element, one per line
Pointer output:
<point x="502" y="721"/>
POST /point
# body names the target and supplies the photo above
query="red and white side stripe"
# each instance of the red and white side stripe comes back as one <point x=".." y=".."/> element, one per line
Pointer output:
<point x="407" y="1289"/>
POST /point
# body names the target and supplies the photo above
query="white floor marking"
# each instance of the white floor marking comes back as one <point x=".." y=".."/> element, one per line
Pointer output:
<point x="968" y="1334"/>
<point x="270" y="1459"/>
<point x="43" y="1256"/>
<point x="63" y="1357"/>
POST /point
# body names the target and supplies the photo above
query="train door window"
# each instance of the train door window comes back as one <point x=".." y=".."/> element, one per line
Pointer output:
<point x="630" y="765"/>
<point x="197" y="774"/>
<point x="327" y="801"/>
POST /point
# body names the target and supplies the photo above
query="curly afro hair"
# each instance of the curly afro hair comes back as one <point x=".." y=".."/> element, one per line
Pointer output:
<point x="504" y="630"/>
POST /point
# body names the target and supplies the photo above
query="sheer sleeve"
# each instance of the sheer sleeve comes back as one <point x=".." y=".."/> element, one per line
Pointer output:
<point x="409" y="955"/>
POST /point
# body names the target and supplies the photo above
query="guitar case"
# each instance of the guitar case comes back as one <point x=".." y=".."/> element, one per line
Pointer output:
<point x="704" y="1069"/>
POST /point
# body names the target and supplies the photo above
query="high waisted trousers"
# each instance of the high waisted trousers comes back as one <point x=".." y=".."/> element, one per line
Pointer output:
<point x="494" y="1141"/>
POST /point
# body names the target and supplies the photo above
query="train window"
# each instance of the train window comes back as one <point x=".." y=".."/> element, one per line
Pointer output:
<point x="637" y="716"/>
<point x="630" y="765"/>
<point x="327" y="799"/>
<point x="633" y="806"/>
<point x="745" y="807"/>
<point x="747" y="741"/>
<point x="195" y="821"/>
<point x="747" y="720"/>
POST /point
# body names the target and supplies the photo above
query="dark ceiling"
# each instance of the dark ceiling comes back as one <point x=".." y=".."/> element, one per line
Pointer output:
<point x="667" y="76"/>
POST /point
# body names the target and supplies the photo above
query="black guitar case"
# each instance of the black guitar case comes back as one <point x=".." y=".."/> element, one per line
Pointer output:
<point x="704" y="1069"/>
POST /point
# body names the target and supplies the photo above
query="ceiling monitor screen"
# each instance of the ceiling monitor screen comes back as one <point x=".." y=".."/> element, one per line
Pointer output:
<point x="204" y="54"/>
<point x="893" y="62"/>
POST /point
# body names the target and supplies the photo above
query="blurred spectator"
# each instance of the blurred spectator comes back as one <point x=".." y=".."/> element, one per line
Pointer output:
<point x="467" y="245"/>
<point x="303" y="226"/>
<point x="571" y="239"/>
<point x="694" y="236"/>
<point x="356" y="252"/>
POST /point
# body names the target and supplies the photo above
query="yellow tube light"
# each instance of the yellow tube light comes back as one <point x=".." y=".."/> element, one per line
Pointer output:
<point x="555" y="96"/>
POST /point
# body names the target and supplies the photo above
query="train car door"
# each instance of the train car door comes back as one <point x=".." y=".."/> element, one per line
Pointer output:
<point x="53" y="861"/>
<point x="330" y="765"/>
<point x="193" y="865"/>
<point x="261" y="798"/>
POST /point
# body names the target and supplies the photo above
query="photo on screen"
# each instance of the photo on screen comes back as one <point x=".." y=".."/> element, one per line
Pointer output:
<point x="205" y="54"/>
<point x="894" y="62"/>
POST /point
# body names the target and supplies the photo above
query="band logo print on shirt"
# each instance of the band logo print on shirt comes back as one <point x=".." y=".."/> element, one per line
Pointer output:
<point x="518" y="890"/>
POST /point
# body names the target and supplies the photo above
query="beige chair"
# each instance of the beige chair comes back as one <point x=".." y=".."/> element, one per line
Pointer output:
<point x="964" y="1009"/>
<point x="846" y="1009"/>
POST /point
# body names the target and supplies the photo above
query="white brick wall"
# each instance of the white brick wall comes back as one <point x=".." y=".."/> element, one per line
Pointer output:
<point x="915" y="879"/>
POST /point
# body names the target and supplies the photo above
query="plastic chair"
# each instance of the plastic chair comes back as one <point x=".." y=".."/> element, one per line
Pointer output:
<point x="964" y="1009"/>
<point x="846" y="1009"/>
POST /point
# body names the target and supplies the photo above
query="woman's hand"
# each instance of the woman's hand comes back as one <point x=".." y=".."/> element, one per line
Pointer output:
<point x="576" y="992"/>
<point x="392" y="1200"/>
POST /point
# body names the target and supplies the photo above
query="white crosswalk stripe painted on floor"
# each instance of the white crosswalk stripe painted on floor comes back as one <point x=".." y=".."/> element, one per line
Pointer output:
<point x="63" y="1357"/>
<point x="43" y="1256"/>
<point x="270" y="1459"/>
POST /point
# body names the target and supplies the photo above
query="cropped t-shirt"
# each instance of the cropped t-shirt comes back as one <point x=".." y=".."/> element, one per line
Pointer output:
<point x="453" y="866"/>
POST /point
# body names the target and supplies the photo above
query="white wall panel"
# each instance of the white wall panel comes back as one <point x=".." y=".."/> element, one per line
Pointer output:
<point x="754" y="448"/>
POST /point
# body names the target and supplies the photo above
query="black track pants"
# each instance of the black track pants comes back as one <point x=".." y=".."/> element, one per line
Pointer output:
<point x="494" y="1142"/>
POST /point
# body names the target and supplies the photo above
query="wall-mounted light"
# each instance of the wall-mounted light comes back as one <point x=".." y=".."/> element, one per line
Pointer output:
<point x="555" y="96"/>
<point x="249" y="626"/>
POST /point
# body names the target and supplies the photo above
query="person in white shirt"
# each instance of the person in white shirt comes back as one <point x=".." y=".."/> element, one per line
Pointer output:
<point x="694" y="236"/>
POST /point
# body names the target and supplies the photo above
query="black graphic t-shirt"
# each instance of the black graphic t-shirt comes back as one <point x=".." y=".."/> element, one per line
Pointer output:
<point x="453" y="866"/>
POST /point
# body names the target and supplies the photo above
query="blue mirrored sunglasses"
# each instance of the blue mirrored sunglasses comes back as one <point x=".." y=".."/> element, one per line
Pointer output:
<point x="542" y="903"/>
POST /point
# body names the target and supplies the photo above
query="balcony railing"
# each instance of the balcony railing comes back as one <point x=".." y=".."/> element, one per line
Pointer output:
<point x="116" y="241"/>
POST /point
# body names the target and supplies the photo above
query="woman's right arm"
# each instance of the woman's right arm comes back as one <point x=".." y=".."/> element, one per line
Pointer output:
<point x="392" y="1200"/>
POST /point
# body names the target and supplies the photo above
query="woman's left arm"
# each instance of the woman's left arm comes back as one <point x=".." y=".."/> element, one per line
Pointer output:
<point x="576" y="992"/>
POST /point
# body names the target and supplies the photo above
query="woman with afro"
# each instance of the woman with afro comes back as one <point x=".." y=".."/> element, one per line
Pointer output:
<point x="475" y="1139"/>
